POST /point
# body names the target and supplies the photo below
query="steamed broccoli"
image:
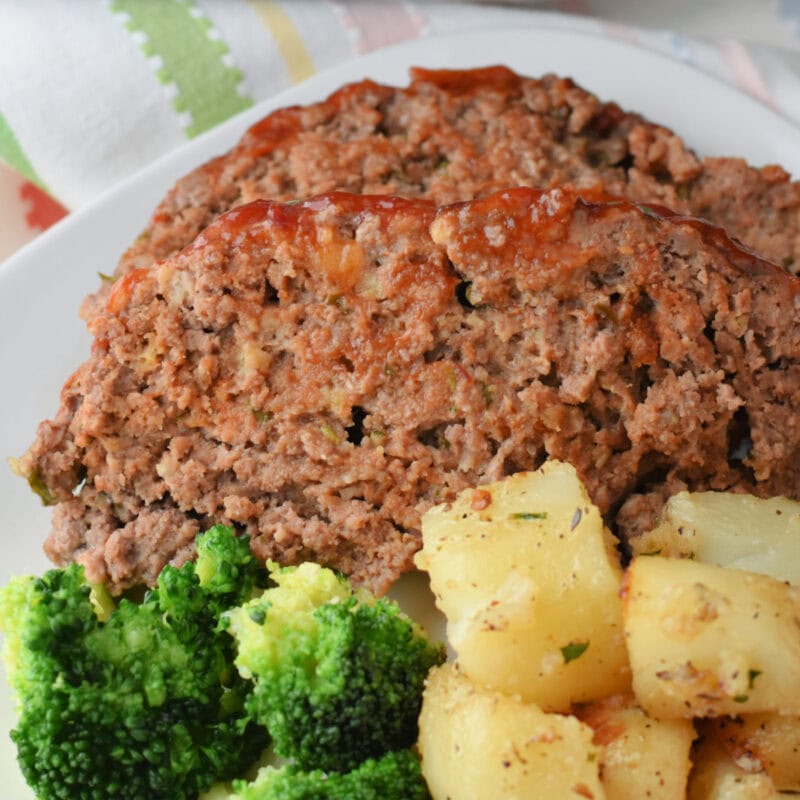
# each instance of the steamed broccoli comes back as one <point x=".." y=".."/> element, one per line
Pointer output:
<point x="143" y="700"/>
<point x="136" y="700"/>
<point x="338" y="675"/>
<point x="395" y="776"/>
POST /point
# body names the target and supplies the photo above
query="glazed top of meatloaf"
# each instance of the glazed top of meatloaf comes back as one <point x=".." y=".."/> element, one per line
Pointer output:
<point x="456" y="135"/>
<point x="319" y="374"/>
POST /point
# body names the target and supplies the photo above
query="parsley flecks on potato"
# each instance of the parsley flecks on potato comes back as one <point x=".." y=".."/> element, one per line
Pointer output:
<point x="529" y="580"/>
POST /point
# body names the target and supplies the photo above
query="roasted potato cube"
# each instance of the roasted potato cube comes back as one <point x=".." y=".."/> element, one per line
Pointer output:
<point x="717" y="776"/>
<point x="477" y="744"/>
<point x="708" y="641"/>
<point x="731" y="530"/>
<point x="529" y="581"/>
<point x="768" y="742"/>
<point x="642" y="756"/>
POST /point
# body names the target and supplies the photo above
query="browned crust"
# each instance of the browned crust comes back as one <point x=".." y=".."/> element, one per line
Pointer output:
<point x="454" y="135"/>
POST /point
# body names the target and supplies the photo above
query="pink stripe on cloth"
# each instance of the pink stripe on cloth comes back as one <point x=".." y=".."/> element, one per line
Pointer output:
<point x="744" y="70"/>
<point x="376" y="24"/>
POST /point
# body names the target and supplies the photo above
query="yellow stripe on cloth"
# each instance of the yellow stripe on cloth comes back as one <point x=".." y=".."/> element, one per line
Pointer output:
<point x="289" y="40"/>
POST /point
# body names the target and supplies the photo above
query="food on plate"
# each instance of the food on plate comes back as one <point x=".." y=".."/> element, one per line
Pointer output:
<point x="323" y="402"/>
<point x="319" y="373"/>
<point x="732" y="530"/>
<point x="720" y="775"/>
<point x="131" y="700"/>
<point x="394" y="776"/>
<point x="162" y="698"/>
<point x="272" y="376"/>
<point x="529" y="580"/>
<point x="714" y="652"/>
<point x="762" y="743"/>
<point x="476" y="743"/>
<point x="337" y="676"/>
<point x="641" y="756"/>
<point x="706" y="641"/>
<point x="454" y="135"/>
<point x="224" y="655"/>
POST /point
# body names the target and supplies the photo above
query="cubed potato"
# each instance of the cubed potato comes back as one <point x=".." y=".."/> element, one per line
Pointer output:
<point x="767" y="742"/>
<point x="708" y="641"/>
<point x="731" y="530"/>
<point x="716" y="776"/>
<point x="477" y="744"/>
<point x="642" y="756"/>
<point x="529" y="581"/>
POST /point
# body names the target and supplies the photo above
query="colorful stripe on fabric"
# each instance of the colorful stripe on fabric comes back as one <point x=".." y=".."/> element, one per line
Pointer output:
<point x="15" y="230"/>
<point x="789" y="10"/>
<point x="27" y="210"/>
<point x="42" y="210"/>
<point x="381" y="24"/>
<point x="288" y="39"/>
<point x="745" y="71"/>
<point x="190" y="59"/>
<point x="12" y="153"/>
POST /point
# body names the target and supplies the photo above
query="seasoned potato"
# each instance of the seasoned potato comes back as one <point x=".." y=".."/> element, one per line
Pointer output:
<point x="768" y="742"/>
<point x="707" y="641"/>
<point x="717" y="776"/>
<point x="732" y="530"/>
<point x="642" y="757"/>
<point x="529" y="581"/>
<point x="477" y="744"/>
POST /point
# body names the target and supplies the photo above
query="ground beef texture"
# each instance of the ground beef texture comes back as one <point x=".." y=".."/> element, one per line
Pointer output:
<point x="318" y="374"/>
<point x="455" y="135"/>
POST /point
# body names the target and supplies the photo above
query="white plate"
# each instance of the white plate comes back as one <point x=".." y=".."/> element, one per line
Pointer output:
<point x="42" y="339"/>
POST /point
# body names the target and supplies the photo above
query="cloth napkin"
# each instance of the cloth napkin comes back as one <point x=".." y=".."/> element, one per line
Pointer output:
<point x="93" y="91"/>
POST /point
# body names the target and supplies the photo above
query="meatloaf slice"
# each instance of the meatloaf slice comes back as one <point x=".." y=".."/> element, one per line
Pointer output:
<point x="319" y="374"/>
<point x="457" y="135"/>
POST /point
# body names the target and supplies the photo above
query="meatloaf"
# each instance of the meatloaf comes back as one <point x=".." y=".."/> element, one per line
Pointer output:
<point x="319" y="374"/>
<point x="457" y="135"/>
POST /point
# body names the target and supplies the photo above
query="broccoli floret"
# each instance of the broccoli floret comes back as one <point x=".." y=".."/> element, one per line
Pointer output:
<point x="338" y="675"/>
<point x="227" y="569"/>
<point x="143" y="702"/>
<point x="44" y="621"/>
<point x="395" y="776"/>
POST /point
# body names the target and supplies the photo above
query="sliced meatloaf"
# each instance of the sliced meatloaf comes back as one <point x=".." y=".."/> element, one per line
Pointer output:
<point x="456" y="135"/>
<point x="319" y="374"/>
